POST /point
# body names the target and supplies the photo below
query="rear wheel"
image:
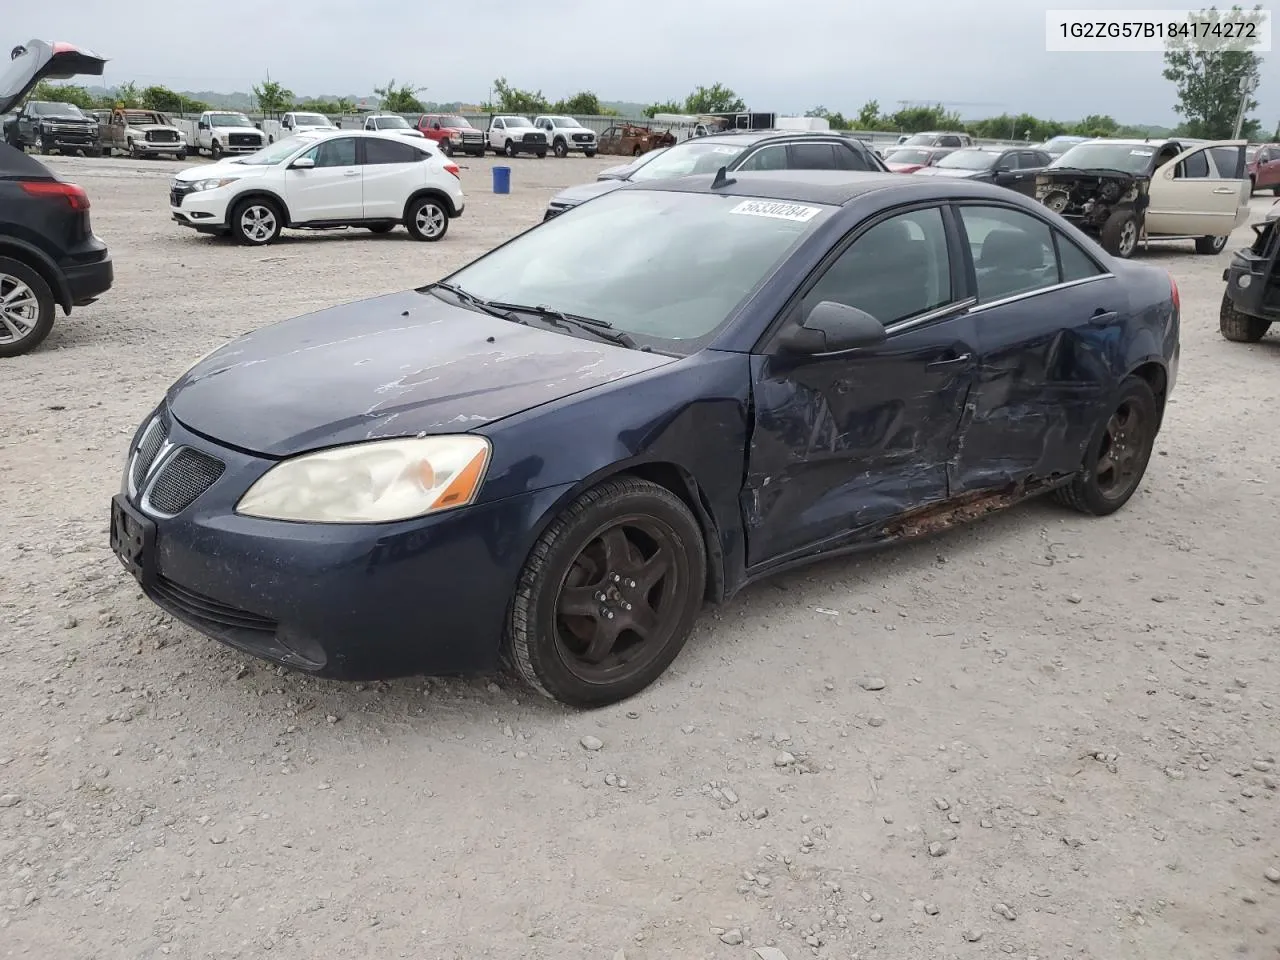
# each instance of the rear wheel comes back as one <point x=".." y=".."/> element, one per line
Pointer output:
<point x="1120" y="234"/>
<point x="1210" y="245"/>
<point x="1118" y="454"/>
<point x="26" y="308"/>
<point x="1240" y="327"/>
<point x="609" y="594"/>
<point x="427" y="219"/>
<point x="256" y="222"/>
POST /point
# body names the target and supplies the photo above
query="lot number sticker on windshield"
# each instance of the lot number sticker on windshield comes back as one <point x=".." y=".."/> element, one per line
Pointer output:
<point x="778" y="211"/>
<point x="1141" y="153"/>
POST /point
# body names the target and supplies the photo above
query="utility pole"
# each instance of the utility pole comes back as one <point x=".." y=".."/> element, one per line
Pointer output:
<point x="1247" y="86"/>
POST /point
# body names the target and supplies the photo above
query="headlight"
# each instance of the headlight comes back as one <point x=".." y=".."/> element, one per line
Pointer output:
<point x="375" y="482"/>
<point x="213" y="183"/>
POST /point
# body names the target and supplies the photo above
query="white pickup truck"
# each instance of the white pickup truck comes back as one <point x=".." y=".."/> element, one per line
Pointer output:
<point x="219" y="132"/>
<point x="293" y="122"/>
<point x="509" y="135"/>
<point x="566" y="135"/>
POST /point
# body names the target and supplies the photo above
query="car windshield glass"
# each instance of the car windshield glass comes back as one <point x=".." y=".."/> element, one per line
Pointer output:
<point x="56" y="110"/>
<point x="311" y="120"/>
<point x="143" y="116"/>
<point x="564" y="121"/>
<point x="391" y="123"/>
<point x="459" y="122"/>
<point x="671" y="267"/>
<point x="1129" y="157"/>
<point x="907" y="156"/>
<point x="689" y="158"/>
<point x="277" y="152"/>
<point x="1250" y="153"/>
<point x="920" y="138"/>
<point x="517" y="122"/>
<point x="229" y="120"/>
<point x="968" y="160"/>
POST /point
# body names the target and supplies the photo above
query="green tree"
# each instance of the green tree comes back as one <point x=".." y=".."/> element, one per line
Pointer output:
<point x="509" y="99"/>
<point x="584" y="104"/>
<point x="868" y="117"/>
<point x="64" y="93"/>
<point x="835" y="120"/>
<point x="273" y="98"/>
<point x="666" y="106"/>
<point x="400" y="99"/>
<point x="716" y="98"/>
<point x="919" y="118"/>
<point x="126" y="95"/>
<point x="1209" y="81"/>
<point x="345" y="105"/>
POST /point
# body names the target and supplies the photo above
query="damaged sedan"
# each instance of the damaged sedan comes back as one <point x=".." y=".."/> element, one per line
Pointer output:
<point x="1127" y="192"/>
<point x="554" y="456"/>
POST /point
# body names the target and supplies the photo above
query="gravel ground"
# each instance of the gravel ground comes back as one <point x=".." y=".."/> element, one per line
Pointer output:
<point x="1038" y="736"/>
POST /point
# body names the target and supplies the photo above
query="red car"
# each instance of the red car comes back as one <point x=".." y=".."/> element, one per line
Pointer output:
<point x="1264" y="167"/>
<point x="911" y="159"/>
<point x="452" y="132"/>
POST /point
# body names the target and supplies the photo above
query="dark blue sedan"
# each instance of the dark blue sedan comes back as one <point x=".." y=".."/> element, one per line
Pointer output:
<point x="557" y="454"/>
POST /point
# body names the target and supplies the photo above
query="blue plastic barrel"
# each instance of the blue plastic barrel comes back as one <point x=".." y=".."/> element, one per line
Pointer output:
<point x="501" y="179"/>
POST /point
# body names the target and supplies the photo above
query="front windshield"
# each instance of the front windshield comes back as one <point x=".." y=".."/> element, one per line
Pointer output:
<point x="658" y="265"/>
<point x="311" y="120"/>
<point x="907" y="156"/>
<point x="924" y="139"/>
<point x="1250" y="153"/>
<point x="229" y="120"/>
<point x="1129" y="157"/>
<point x="689" y="158"/>
<point x="517" y="122"/>
<point x="967" y="160"/>
<point x="56" y="110"/>
<point x="391" y="123"/>
<point x="143" y="116"/>
<point x="564" y="121"/>
<point x="277" y="152"/>
<point x="459" y="122"/>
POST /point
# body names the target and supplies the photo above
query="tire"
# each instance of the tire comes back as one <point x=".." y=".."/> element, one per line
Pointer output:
<point x="1120" y="234"/>
<point x="637" y="152"/>
<point x="475" y="153"/>
<point x="1127" y="434"/>
<point x="1240" y="327"/>
<point x="542" y="154"/>
<point x="427" y="219"/>
<point x="551" y="648"/>
<point x="26" y="321"/>
<point x="256" y="222"/>
<point x="447" y="148"/>
<point x="381" y="228"/>
<point x="1276" y="190"/>
<point x="509" y="149"/>
<point x="589" y="153"/>
<point x="1253" y="185"/>
<point x="560" y="149"/>
<point x="180" y="155"/>
<point x="215" y="151"/>
<point x="46" y="147"/>
<point x="1210" y="246"/>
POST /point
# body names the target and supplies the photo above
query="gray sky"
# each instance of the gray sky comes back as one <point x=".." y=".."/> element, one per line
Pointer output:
<point x="784" y="57"/>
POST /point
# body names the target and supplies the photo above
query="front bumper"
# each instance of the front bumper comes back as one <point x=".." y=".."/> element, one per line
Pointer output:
<point x="70" y="140"/>
<point x="148" y="146"/>
<point x="204" y="210"/>
<point x="520" y="146"/>
<point x="335" y="600"/>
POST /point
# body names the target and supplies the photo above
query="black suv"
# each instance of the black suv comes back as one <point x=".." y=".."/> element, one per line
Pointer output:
<point x="49" y="256"/>
<point x="50" y="125"/>
<point x="736" y="150"/>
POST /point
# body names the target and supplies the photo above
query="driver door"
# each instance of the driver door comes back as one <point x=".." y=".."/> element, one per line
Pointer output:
<point x="1190" y="197"/>
<point x="332" y="189"/>
<point x="843" y="443"/>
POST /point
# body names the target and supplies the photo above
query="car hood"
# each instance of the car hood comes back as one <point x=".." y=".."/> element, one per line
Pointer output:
<point x="37" y="60"/>
<point x="948" y="172"/>
<point x="904" y="167"/>
<point x="586" y="191"/>
<point x="66" y="118"/>
<point x="398" y="365"/>
<point x="227" y="167"/>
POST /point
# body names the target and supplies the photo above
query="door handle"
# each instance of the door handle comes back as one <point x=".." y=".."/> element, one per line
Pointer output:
<point x="1102" y="318"/>
<point x="950" y="362"/>
<point x="352" y="173"/>
<point x="1223" y="190"/>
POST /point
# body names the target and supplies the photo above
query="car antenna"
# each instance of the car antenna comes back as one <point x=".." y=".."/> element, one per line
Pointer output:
<point x="722" y="179"/>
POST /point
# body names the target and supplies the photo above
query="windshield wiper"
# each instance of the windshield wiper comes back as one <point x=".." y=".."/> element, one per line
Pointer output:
<point x="602" y="329"/>
<point x="484" y="306"/>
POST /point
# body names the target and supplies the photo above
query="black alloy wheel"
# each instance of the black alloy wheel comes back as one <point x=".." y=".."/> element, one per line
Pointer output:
<point x="1118" y="455"/>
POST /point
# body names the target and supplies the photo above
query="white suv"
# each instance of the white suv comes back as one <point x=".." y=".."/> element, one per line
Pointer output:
<point x="322" y="180"/>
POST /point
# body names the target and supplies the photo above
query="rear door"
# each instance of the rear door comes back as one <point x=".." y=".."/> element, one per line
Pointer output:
<point x="1269" y="168"/>
<point x="1191" y="197"/>
<point x="390" y="171"/>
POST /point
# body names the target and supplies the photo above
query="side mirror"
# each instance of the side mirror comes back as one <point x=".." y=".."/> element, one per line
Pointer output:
<point x="833" y="327"/>
<point x="202" y="125"/>
<point x="303" y="163"/>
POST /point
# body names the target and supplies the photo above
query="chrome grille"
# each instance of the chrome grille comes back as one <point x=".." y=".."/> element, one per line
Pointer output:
<point x="153" y="438"/>
<point x="162" y="136"/>
<point x="181" y="479"/>
<point x="535" y="138"/>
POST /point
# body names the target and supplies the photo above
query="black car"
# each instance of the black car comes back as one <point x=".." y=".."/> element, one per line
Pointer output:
<point x="1015" y="167"/>
<point x="1251" y="302"/>
<point x="50" y="125"/>
<point x="736" y="150"/>
<point x="556" y="454"/>
<point x="49" y="256"/>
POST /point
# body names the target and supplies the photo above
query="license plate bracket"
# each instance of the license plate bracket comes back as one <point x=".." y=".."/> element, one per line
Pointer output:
<point x="133" y="539"/>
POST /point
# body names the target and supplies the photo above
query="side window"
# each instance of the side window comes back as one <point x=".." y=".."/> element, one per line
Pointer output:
<point x="377" y="150"/>
<point x="896" y="270"/>
<point x="1194" y="167"/>
<point x="1229" y="162"/>
<point x="1074" y="262"/>
<point x="1012" y="252"/>
<point x="768" y="158"/>
<point x="949" y="142"/>
<point x="499" y="125"/>
<point x="813" y="156"/>
<point x="334" y="153"/>
<point x="847" y="158"/>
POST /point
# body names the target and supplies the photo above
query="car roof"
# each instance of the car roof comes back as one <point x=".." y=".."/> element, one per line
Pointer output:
<point x="752" y="137"/>
<point x="833" y="188"/>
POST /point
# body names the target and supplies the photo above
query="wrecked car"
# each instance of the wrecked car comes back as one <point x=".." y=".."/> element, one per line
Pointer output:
<point x="1127" y="192"/>
<point x="1251" y="302"/>
<point x="555" y="455"/>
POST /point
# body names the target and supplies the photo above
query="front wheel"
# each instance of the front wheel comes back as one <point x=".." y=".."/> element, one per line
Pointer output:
<point x="180" y="155"/>
<point x="255" y="223"/>
<point x="427" y="219"/>
<point x="46" y="146"/>
<point x="542" y="154"/>
<point x="609" y="594"/>
<point x="637" y="152"/>
<point x="26" y="308"/>
<point x="447" y="148"/>
<point x="1118" y="454"/>
<point x="1210" y="245"/>
<point x="589" y="153"/>
<point x="509" y="149"/>
<point x="216" y="150"/>
<point x="561" y="149"/>
<point x="1120" y="234"/>
<point x="1240" y="327"/>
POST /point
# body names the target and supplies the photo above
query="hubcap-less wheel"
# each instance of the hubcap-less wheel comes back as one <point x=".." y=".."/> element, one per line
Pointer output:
<point x="620" y="600"/>
<point x="257" y="223"/>
<point x="1128" y="238"/>
<point x="1122" y="457"/>
<point x="19" y="310"/>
